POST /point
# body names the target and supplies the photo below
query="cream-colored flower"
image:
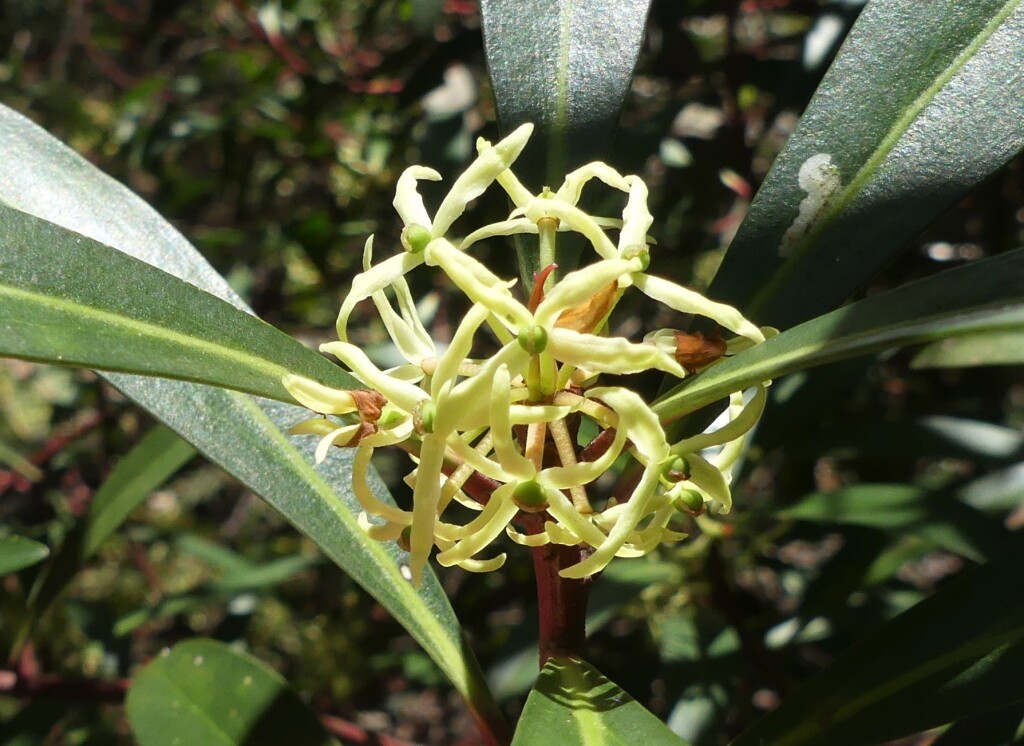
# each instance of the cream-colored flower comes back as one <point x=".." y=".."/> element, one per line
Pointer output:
<point x="511" y="418"/>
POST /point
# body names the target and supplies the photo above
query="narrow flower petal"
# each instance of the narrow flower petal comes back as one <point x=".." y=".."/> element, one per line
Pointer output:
<point x="504" y="228"/>
<point x="576" y="219"/>
<point x="503" y="512"/>
<point x="458" y="350"/>
<point x="316" y="396"/>
<point x="636" y="509"/>
<point x="367" y="283"/>
<point x="408" y="202"/>
<point x="364" y="494"/>
<point x="641" y="424"/>
<point x="512" y="461"/>
<point x="584" y="472"/>
<point x="636" y="218"/>
<point x="478" y="283"/>
<point x="572" y="187"/>
<point x="609" y="354"/>
<point x="340" y="436"/>
<point x="709" y="481"/>
<point x="687" y="301"/>
<point x="564" y="512"/>
<point x="579" y="286"/>
<point x="401" y="393"/>
<point x="736" y="428"/>
<point x="488" y="166"/>
<point x="424" y="504"/>
<point x="380" y="531"/>
<point x="527" y="540"/>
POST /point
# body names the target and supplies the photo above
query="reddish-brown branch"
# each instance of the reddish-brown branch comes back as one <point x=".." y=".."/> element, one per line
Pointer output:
<point x="562" y="602"/>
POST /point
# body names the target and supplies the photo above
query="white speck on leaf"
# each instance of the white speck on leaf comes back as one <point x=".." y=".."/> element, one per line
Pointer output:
<point x="819" y="177"/>
<point x="198" y="660"/>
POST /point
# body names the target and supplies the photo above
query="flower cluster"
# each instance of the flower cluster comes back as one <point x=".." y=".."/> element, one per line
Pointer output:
<point x="503" y="435"/>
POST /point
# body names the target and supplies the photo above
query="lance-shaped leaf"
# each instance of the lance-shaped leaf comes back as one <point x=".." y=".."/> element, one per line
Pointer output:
<point x="956" y="653"/>
<point x="923" y="102"/>
<point x="566" y="67"/>
<point x="983" y="296"/>
<point x="575" y="701"/>
<point x="204" y="691"/>
<point x="68" y="299"/>
<point x="244" y="436"/>
<point x="993" y="348"/>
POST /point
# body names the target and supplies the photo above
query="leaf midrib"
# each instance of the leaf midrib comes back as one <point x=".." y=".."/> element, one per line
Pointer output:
<point x="876" y="338"/>
<point x="878" y="155"/>
<point x="154" y="331"/>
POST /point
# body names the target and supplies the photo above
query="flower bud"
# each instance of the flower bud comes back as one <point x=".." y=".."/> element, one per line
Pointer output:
<point x="530" y="497"/>
<point x="533" y="339"/>
<point x="677" y="470"/>
<point x="424" y="416"/>
<point x="404" y="539"/>
<point x="415" y="238"/>
<point x="689" y="501"/>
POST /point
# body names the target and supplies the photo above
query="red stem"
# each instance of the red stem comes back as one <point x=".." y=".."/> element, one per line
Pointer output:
<point x="562" y="602"/>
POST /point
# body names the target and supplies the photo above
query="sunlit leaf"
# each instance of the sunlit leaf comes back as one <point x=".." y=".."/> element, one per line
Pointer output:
<point x="922" y="103"/>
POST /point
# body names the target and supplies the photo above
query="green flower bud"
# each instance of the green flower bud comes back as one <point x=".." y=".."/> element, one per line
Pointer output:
<point x="405" y="539"/>
<point x="689" y="501"/>
<point x="678" y="469"/>
<point x="530" y="497"/>
<point x="415" y="238"/>
<point x="533" y="339"/>
<point x="640" y="252"/>
<point x="424" y="416"/>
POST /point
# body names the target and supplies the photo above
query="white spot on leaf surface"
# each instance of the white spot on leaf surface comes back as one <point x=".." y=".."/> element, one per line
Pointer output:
<point x="820" y="178"/>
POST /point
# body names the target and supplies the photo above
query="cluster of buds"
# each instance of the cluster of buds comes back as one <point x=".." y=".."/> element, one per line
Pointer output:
<point x="503" y="435"/>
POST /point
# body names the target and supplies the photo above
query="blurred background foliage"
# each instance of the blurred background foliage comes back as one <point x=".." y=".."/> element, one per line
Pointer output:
<point x="271" y="134"/>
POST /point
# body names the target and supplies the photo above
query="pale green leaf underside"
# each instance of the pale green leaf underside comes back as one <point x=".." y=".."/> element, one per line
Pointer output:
<point x="242" y="435"/>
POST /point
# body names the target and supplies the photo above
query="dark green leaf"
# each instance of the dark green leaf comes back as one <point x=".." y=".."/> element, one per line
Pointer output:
<point x="956" y="653"/>
<point x="243" y="436"/>
<point x="204" y="692"/>
<point x="986" y="295"/>
<point x="70" y="300"/>
<point x="904" y="508"/>
<point x="573" y="702"/>
<point x="994" y="348"/>
<point x="17" y="553"/>
<point x="923" y="102"/>
<point x="566" y="67"/>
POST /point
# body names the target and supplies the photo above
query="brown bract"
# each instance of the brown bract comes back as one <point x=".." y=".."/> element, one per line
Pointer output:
<point x="694" y="351"/>
<point x="586" y="317"/>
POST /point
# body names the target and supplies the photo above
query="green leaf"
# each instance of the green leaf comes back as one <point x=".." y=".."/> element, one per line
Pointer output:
<point x="565" y="66"/>
<point x="146" y="467"/>
<point x="19" y="463"/>
<point x="70" y="300"/>
<point x="205" y="692"/>
<point x="17" y="553"/>
<point x="242" y="435"/>
<point x="956" y="653"/>
<point x="906" y="509"/>
<point x="994" y="348"/>
<point x="985" y="295"/>
<point x="922" y="103"/>
<point x="575" y="704"/>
